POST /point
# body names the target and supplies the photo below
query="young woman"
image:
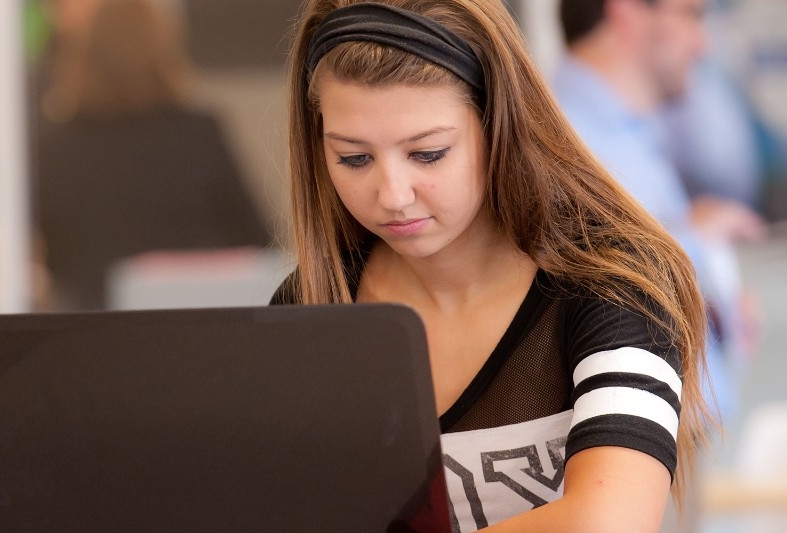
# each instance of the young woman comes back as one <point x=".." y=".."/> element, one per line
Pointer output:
<point x="431" y="167"/>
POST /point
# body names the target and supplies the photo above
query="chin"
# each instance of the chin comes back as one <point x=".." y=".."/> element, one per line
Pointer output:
<point x="412" y="249"/>
<point x="413" y="252"/>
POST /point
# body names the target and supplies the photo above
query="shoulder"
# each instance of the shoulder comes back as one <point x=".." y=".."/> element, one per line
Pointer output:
<point x="597" y="323"/>
<point x="287" y="293"/>
<point x="627" y="376"/>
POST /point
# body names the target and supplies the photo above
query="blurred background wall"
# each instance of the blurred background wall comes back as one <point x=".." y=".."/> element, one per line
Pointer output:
<point x="234" y="54"/>
<point x="14" y="213"/>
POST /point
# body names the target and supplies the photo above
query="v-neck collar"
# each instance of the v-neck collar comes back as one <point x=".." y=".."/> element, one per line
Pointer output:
<point x="525" y="318"/>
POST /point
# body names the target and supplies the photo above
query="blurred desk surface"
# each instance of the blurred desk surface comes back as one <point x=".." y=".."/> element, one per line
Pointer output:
<point x="728" y="493"/>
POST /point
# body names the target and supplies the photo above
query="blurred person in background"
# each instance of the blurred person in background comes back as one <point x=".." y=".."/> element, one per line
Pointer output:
<point x="121" y="165"/>
<point x="711" y="136"/>
<point x="718" y="138"/>
<point x="626" y="60"/>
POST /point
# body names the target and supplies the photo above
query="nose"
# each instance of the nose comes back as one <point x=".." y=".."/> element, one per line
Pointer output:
<point x="395" y="189"/>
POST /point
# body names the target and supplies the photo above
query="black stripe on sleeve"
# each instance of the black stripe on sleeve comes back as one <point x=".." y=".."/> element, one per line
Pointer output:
<point x="631" y="381"/>
<point x="627" y="431"/>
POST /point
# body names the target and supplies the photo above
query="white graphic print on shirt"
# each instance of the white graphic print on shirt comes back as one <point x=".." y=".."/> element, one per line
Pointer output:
<point x="494" y="474"/>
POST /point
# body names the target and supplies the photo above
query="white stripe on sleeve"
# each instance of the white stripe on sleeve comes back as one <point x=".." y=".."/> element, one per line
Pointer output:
<point x="625" y="401"/>
<point x="629" y="360"/>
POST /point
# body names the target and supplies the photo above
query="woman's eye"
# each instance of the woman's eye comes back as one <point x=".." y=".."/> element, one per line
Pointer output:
<point x="429" y="157"/>
<point x="354" y="161"/>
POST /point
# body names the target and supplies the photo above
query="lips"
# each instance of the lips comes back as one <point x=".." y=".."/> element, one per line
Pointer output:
<point x="406" y="228"/>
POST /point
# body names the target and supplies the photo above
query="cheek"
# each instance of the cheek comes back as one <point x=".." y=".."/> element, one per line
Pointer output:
<point x="676" y="42"/>
<point x="468" y="192"/>
<point x="351" y="193"/>
<point x="343" y="191"/>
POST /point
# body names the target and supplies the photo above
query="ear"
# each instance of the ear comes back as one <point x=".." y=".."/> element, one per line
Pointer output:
<point x="628" y="18"/>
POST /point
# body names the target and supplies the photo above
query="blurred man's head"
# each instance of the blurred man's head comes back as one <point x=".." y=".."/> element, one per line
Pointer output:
<point x="664" y="37"/>
<point x="73" y="17"/>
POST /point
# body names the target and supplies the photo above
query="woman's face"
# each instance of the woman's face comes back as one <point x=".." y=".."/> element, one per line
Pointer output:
<point x="407" y="162"/>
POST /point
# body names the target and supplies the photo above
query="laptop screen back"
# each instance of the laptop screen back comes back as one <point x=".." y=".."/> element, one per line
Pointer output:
<point x="316" y="418"/>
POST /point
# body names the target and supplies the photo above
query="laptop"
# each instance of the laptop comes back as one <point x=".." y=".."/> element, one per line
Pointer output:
<point x="282" y="418"/>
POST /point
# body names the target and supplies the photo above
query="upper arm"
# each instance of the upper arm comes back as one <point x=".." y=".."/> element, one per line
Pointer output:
<point x="621" y="450"/>
<point x="607" y="490"/>
<point x="622" y="447"/>
<point x="626" y="373"/>
<point x="616" y="489"/>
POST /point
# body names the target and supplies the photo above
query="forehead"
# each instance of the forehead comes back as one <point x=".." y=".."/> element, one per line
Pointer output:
<point x="391" y="114"/>
<point x="359" y="99"/>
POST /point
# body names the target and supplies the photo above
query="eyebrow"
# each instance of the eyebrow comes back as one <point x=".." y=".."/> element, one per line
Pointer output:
<point x="416" y="137"/>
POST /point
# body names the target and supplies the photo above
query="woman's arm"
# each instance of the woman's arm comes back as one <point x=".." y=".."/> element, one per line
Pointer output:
<point x="607" y="489"/>
<point x="621" y="449"/>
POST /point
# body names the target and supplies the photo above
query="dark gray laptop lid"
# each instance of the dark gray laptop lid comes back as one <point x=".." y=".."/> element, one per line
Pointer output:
<point x="291" y="418"/>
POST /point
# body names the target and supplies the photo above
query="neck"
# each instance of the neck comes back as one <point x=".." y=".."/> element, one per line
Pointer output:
<point x="455" y="277"/>
<point x="620" y="64"/>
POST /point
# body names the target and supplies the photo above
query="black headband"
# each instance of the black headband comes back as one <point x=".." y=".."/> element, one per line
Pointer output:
<point x="399" y="28"/>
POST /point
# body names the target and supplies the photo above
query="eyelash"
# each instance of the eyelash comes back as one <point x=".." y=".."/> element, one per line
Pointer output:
<point x="430" y="158"/>
<point x="358" y="161"/>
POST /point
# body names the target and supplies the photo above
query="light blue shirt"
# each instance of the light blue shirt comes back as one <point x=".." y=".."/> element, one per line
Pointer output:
<point x="630" y="146"/>
<point x="711" y="136"/>
<point x="627" y="143"/>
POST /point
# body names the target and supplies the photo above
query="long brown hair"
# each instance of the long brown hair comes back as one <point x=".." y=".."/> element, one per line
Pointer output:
<point x="546" y="191"/>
